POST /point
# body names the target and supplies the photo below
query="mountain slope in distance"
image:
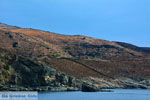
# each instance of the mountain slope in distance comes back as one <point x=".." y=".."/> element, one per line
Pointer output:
<point x="135" y="48"/>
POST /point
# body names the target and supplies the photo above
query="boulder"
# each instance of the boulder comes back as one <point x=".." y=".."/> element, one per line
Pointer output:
<point x="89" y="87"/>
<point x="62" y="78"/>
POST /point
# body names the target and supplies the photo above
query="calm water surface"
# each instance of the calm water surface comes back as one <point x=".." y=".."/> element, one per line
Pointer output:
<point x="116" y="95"/>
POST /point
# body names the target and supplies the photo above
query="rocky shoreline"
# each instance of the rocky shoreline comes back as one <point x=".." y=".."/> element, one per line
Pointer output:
<point x="22" y="74"/>
<point x="84" y="87"/>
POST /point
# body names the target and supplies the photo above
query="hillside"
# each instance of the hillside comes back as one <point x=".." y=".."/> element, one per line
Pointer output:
<point x="145" y="50"/>
<point x="5" y="26"/>
<point x="64" y="46"/>
<point x="78" y="56"/>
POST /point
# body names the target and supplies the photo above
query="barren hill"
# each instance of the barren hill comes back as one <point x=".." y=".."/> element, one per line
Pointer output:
<point x="79" y="56"/>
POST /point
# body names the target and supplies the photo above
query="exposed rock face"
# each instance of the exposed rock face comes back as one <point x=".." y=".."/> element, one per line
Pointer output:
<point x="125" y="83"/>
<point x="21" y="74"/>
<point x="132" y="84"/>
<point x="89" y="87"/>
<point x="18" y="73"/>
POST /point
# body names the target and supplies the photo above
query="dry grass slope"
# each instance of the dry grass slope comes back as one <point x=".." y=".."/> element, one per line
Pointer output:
<point x="80" y="56"/>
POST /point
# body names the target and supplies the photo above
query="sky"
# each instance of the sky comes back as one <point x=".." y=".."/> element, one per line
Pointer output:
<point x="113" y="20"/>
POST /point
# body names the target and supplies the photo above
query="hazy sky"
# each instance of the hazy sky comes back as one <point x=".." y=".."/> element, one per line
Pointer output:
<point x="114" y="20"/>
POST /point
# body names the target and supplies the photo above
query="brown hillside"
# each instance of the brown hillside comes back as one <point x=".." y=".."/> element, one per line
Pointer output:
<point x="78" y="46"/>
<point x="80" y="56"/>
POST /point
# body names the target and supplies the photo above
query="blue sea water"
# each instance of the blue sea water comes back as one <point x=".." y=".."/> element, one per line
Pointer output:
<point x="118" y="94"/>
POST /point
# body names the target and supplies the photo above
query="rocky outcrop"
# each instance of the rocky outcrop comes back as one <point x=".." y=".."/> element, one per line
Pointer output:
<point x="134" y="84"/>
<point x="22" y="74"/>
<point x="89" y="87"/>
<point x="123" y="83"/>
<point x="19" y="73"/>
